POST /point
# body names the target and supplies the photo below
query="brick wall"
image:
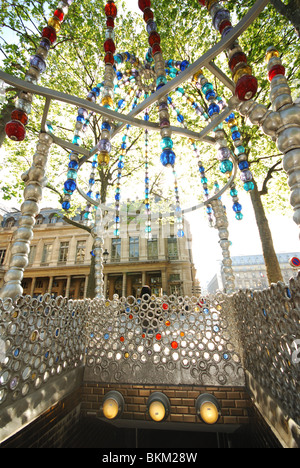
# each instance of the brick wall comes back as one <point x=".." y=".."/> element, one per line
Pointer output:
<point x="235" y="401"/>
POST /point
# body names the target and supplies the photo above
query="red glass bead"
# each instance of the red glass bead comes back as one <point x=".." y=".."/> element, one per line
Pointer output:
<point x="276" y="70"/>
<point x="109" y="46"/>
<point x="174" y="344"/>
<point x="165" y="306"/>
<point x="122" y="339"/>
<point x="202" y="2"/>
<point x="109" y="58"/>
<point x="156" y="48"/>
<point x="246" y="87"/>
<point x="158" y="336"/>
<point x="237" y="58"/>
<point x="224" y="25"/>
<point x="15" y="130"/>
<point x="110" y="22"/>
<point x="148" y="15"/>
<point x="143" y="4"/>
<point x="111" y="10"/>
<point x="59" y="14"/>
<point x="154" y="38"/>
<point x="49" y="33"/>
<point x="19" y="115"/>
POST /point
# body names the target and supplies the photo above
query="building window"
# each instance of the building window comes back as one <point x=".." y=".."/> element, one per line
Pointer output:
<point x="133" y="248"/>
<point x="152" y="248"/>
<point x="80" y="251"/>
<point x="47" y="251"/>
<point x="39" y="219"/>
<point x="115" y="250"/>
<point x="53" y="218"/>
<point x="63" y="252"/>
<point x="31" y="255"/>
<point x="172" y="248"/>
<point x="2" y="256"/>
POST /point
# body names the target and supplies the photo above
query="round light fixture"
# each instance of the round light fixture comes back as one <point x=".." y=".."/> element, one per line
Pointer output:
<point x="113" y="405"/>
<point x="208" y="408"/>
<point x="158" y="406"/>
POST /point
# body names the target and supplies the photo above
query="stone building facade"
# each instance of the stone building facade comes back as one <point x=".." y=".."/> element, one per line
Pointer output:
<point x="60" y="259"/>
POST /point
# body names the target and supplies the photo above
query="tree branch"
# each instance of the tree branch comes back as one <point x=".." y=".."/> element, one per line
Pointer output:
<point x="269" y="176"/>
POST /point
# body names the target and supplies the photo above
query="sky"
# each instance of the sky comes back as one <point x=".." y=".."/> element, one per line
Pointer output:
<point x="243" y="234"/>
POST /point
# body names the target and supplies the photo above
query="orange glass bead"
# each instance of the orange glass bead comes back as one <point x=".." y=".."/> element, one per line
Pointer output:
<point x="19" y="115"/>
<point x="111" y="9"/>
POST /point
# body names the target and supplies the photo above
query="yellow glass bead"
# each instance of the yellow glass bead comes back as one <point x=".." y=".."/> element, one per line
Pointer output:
<point x="54" y="23"/>
<point x="232" y="123"/>
<point x="197" y="74"/>
<point x="107" y="101"/>
<point x="210" y="3"/>
<point x="103" y="158"/>
<point x="241" y="72"/>
<point x="270" y="54"/>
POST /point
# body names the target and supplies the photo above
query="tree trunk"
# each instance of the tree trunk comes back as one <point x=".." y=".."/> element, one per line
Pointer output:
<point x="291" y="11"/>
<point x="270" y="257"/>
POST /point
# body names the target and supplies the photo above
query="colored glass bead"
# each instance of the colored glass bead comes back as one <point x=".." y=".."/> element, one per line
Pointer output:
<point x="239" y="216"/>
<point x="226" y="166"/>
<point x="237" y="58"/>
<point x="143" y="4"/>
<point x="110" y="22"/>
<point x="109" y="46"/>
<point x="167" y="158"/>
<point x="246" y="176"/>
<point x="276" y="70"/>
<point x="55" y="24"/>
<point x="20" y="115"/>
<point x="184" y="64"/>
<point x="103" y="158"/>
<point x="223" y="153"/>
<point x="104" y="145"/>
<point x="155" y="49"/>
<point x="248" y="186"/>
<point x="70" y="185"/>
<point x="180" y="233"/>
<point x="174" y="344"/>
<point x="66" y="205"/>
<point x="219" y="17"/>
<point x="154" y="38"/>
<point x="109" y="58"/>
<point x="148" y="14"/>
<point x="213" y="109"/>
<point x="207" y="87"/>
<point x="271" y="52"/>
<point x="237" y="207"/>
<point x="111" y="10"/>
<point x="166" y="143"/>
<point x="15" y="130"/>
<point x="37" y="62"/>
<point x="224" y="24"/>
<point x="236" y="136"/>
<point x="245" y="70"/>
<point x="243" y="165"/>
<point x="59" y="14"/>
<point x="234" y="192"/>
<point x="246" y="88"/>
<point x="49" y="33"/>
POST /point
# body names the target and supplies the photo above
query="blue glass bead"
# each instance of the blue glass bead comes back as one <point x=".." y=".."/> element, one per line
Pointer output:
<point x="104" y="145"/>
<point x="236" y="135"/>
<point x="237" y="207"/>
<point x="209" y="210"/>
<point x="86" y="215"/>
<point x="167" y="157"/>
<point x="170" y="100"/>
<point x="239" y="216"/>
<point x="147" y="180"/>
<point x="121" y="103"/>
<point x="70" y="185"/>
<point x="146" y="117"/>
<point x="184" y="64"/>
<point x="243" y="165"/>
<point x="106" y="126"/>
<point x="172" y="72"/>
<point x="148" y="229"/>
<point x="82" y="111"/>
<point x="90" y="193"/>
<point x="71" y="174"/>
<point x="120" y="165"/>
<point x="66" y="205"/>
<point x="37" y="62"/>
<point x="234" y="192"/>
<point x="106" y="336"/>
<point x="91" y="181"/>
<point x="119" y="75"/>
<point x="180" y="233"/>
<point x="97" y="196"/>
<point x="201" y="169"/>
<point x="117" y="197"/>
<point x="80" y="119"/>
<point x="240" y="150"/>
<point x="219" y="17"/>
<point x="159" y="86"/>
<point x="73" y="165"/>
<point x="147" y="206"/>
<point x="116" y="232"/>
<point x="96" y="90"/>
<point x="180" y="118"/>
<point x="94" y="164"/>
<point x="230" y="117"/>
<point x="76" y="140"/>
<point x="213" y="109"/>
<point x="210" y="94"/>
<point x="226" y="166"/>
<point x="123" y="146"/>
<point x="207" y="87"/>
<point x="203" y="180"/>
<point x="248" y="186"/>
<point x="166" y="143"/>
<point x="117" y="219"/>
